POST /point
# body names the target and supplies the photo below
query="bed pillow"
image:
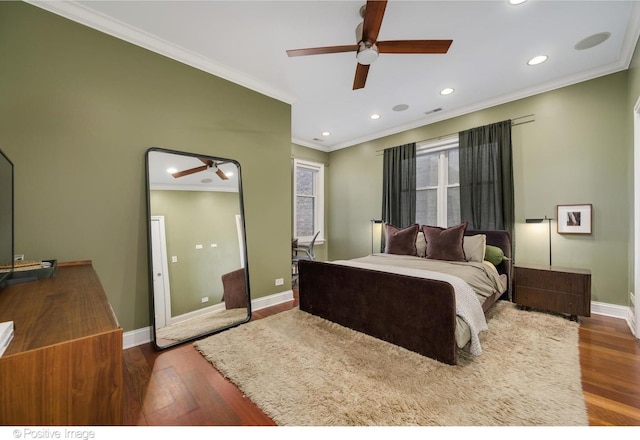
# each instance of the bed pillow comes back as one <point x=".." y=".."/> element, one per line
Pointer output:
<point x="421" y="244"/>
<point x="400" y="241"/>
<point x="445" y="244"/>
<point x="494" y="254"/>
<point x="474" y="247"/>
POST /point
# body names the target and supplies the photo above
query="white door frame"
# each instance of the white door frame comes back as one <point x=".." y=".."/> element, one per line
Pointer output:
<point x="635" y="305"/>
<point x="160" y="268"/>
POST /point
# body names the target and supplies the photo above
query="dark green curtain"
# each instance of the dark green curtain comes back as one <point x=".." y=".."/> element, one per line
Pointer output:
<point x="486" y="177"/>
<point x="399" y="185"/>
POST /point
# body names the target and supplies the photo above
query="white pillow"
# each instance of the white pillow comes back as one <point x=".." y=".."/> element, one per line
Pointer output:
<point x="421" y="244"/>
<point x="474" y="247"/>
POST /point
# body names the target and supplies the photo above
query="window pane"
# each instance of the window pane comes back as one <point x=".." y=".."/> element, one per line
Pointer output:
<point x="453" y="206"/>
<point x="304" y="181"/>
<point x="454" y="170"/>
<point x="427" y="170"/>
<point x="427" y="207"/>
<point x="304" y="216"/>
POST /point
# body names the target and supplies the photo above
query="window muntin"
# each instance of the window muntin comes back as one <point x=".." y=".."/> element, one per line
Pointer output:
<point x="438" y="184"/>
<point x="308" y="200"/>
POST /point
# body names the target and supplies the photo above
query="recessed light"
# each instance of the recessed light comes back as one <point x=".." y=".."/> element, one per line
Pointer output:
<point x="374" y="116"/>
<point x="592" y="41"/>
<point x="172" y="170"/>
<point x="400" y="107"/>
<point x="206" y="181"/>
<point x="447" y="91"/>
<point x="326" y="133"/>
<point x="517" y="2"/>
<point x="537" y="60"/>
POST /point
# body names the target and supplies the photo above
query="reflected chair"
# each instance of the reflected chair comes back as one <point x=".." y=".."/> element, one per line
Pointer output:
<point x="234" y="288"/>
<point x="302" y="252"/>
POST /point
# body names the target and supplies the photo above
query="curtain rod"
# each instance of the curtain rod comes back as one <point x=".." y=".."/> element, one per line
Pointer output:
<point x="452" y="134"/>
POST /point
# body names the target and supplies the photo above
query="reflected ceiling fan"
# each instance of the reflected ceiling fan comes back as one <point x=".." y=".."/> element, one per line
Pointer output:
<point x="208" y="164"/>
<point x="368" y="47"/>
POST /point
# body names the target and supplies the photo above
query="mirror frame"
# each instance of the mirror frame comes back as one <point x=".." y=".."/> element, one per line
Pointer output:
<point x="150" y="250"/>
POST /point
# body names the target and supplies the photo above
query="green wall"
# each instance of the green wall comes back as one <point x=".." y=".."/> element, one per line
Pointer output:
<point x="78" y="110"/>
<point x="575" y="150"/>
<point x="198" y="218"/>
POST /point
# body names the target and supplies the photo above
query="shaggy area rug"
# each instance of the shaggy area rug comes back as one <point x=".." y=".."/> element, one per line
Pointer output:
<point x="302" y="370"/>
<point x="201" y="324"/>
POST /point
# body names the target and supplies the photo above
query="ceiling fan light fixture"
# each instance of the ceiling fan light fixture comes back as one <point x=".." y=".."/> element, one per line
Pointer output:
<point x="367" y="53"/>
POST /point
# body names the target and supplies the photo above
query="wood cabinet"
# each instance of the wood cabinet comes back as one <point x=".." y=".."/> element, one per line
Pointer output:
<point x="552" y="288"/>
<point x="64" y="364"/>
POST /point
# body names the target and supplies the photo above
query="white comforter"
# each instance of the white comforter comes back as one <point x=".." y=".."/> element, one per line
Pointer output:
<point x="468" y="306"/>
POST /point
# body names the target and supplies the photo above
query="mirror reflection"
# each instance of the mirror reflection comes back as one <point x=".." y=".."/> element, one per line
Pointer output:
<point x="197" y="252"/>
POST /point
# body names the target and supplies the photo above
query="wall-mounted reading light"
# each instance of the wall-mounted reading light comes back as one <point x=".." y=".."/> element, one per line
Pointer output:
<point x="540" y="220"/>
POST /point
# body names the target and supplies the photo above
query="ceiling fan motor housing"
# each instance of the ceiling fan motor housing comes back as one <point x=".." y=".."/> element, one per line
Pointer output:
<point x="367" y="53"/>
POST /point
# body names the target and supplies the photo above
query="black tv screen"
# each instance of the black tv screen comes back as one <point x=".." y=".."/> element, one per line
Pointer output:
<point x="6" y="217"/>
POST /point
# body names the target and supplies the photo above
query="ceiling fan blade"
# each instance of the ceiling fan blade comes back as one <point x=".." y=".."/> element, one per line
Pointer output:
<point x="221" y="174"/>
<point x="361" y="76"/>
<point x="322" y="50"/>
<point x="190" y="171"/>
<point x="373" y="14"/>
<point x="207" y="162"/>
<point x="414" y="46"/>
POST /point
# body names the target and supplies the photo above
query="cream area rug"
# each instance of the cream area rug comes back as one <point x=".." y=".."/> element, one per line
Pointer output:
<point x="201" y="324"/>
<point x="302" y="370"/>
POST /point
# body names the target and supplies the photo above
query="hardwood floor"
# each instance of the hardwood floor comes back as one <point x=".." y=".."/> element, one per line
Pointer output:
<point x="178" y="387"/>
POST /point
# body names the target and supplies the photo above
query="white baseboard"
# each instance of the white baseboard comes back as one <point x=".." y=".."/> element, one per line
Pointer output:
<point x="136" y="337"/>
<point x="143" y="335"/>
<point x="612" y="310"/>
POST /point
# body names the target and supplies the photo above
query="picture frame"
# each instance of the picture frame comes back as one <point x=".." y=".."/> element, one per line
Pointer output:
<point x="574" y="219"/>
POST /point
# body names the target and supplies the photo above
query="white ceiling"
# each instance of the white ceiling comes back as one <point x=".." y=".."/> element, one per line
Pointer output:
<point x="160" y="165"/>
<point x="246" y="42"/>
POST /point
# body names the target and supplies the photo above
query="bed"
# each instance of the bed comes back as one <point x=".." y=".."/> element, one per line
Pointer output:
<point x="415" y="301"/>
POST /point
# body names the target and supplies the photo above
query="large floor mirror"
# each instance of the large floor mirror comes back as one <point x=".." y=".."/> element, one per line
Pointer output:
<point x="199" y="277"/>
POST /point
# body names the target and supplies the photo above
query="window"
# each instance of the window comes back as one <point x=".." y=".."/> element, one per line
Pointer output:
<point x="438" y="183"/>
<point x="308" y="188"/>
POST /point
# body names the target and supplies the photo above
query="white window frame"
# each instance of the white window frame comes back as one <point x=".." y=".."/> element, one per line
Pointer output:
<point x="318" y="195"/>
<point x="442" y="146"/>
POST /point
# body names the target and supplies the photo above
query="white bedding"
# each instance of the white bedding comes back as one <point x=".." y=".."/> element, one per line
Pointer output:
<point x="472" y="283"/>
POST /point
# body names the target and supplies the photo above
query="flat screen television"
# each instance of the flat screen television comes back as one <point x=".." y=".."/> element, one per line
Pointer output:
<point x="6" y="218"/>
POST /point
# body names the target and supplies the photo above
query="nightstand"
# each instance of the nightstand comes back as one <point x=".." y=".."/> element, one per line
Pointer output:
<point x="555" y="289"/>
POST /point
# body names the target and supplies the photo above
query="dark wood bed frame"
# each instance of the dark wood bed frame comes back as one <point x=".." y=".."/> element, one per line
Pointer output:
<point x="415" y="313"/>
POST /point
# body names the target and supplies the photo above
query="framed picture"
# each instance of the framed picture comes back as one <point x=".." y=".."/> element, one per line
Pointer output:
<point x="574" y="219"/>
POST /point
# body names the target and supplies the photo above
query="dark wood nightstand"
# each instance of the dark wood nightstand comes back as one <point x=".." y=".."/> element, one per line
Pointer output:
<point x="555" y="289"/>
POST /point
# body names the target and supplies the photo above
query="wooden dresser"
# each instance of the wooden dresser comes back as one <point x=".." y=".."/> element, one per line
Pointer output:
<point x="555" y="289"/>
<point x="64" y="364"/>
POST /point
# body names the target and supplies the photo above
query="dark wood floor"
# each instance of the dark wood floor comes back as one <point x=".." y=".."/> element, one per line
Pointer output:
<point x="179" y="387"/>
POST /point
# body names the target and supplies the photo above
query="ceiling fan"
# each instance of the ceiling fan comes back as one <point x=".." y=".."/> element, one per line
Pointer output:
<point x="368" y="47"/>
<point x="208" y="164"/>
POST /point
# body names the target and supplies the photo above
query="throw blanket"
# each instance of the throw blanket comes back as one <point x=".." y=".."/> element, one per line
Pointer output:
<point x="468" y="307"/>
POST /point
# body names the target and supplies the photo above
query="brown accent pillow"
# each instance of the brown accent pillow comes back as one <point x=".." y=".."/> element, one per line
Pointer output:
<point x="401" y="241"/>
<point x="445" y="244"/>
